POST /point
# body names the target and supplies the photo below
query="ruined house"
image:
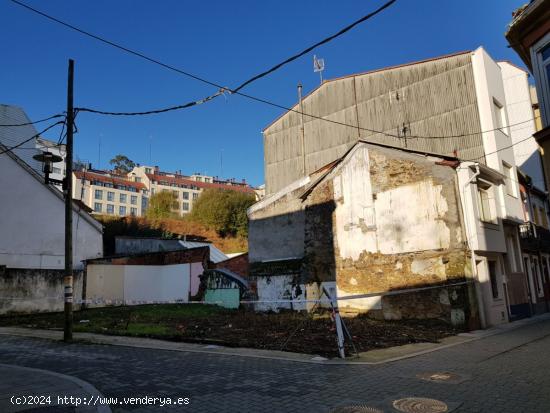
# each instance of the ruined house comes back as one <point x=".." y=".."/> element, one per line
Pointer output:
<point x="377" y="221"/>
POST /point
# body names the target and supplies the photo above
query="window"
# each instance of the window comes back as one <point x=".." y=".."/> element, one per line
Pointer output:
<point x="487" y="206"/>
<point x="56" y="170"/>
<point x="207" y="180"/>
<point x="122" y="198"/>
<point x="137" y="179"/>
<point x="110" y="209"/>
<point x="511" y="187"/>
<point x="195" y="196"/>
<point x="133" y="211"/>
<point x="500" y="117"/>
<point x="122" y="210"/>
<point x="185" y="195"/>
<point x="98" y="194"/>
<point x="540" y="56"/>
<point x="536" y="275"/>
<point x="185" y="206"/>
<point x="512" y="253"/>
<point x="133" y="199"/>
<point x="543" y="218"/>
<point x="97" y="207"/>
<point x="147" y="170"/>
<point x="493" y="278"/>
<point x="110" y="196"/>
<point x="176" y="194"/>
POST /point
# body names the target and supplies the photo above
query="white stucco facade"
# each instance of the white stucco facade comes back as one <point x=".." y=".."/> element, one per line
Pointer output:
<point x="32" y="219"/>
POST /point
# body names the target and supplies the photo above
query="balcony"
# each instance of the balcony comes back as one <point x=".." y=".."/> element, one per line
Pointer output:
<point x="534" y="237"/>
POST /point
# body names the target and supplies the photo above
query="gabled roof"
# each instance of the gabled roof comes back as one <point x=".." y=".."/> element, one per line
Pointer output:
<point x="325" y="82"/>
<point x="14" y="135"/>
<point x="309" y="182"/>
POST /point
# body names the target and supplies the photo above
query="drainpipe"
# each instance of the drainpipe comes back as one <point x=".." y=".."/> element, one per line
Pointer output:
<point x="479" y="294"/>
<point x="302" y="130"/>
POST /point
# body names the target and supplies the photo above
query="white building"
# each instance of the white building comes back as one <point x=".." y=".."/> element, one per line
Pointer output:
<point x="32" y="239"/>
<point x="58" y="168"/>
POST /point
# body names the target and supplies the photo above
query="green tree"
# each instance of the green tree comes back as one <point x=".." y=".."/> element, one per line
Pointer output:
<point x="224" y="211"/>
<point x="162" y="205"/>
<point x="122" y="164"/>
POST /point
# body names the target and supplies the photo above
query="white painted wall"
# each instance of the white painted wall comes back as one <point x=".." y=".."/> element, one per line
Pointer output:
<point x="520" y="110"/>
<point x="404" y="219"/>
<point x="129" y="283"/>
<point x="32" y="219"/>
<point x="497" y="145"/>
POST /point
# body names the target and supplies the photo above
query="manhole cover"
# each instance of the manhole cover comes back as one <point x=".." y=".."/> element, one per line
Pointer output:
<point x="420" y="405"/>
<point x="441" y="377"/>
<point x="356" y="409"/>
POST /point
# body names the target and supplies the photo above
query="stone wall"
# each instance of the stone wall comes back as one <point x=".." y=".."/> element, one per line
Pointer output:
<point x="35" y="290"/>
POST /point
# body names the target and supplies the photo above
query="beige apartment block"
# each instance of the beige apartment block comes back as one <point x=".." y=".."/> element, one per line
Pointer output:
<point x="185" y="188"/>
<point x="110" y="194"/>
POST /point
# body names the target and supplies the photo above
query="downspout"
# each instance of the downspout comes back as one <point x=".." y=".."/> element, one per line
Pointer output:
<point x="302" y="130"/>
<point x="481" y="307"/>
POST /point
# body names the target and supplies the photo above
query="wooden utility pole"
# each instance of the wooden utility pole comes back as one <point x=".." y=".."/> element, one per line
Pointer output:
<point x="68" y="280"/>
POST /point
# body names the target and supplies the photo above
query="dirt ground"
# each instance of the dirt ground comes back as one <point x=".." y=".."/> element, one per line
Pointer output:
<point x="287" y="331"/>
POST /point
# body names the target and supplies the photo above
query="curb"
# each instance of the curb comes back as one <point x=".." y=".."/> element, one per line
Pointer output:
<point x="138" y="342"/>
<point x="80" y="383"/>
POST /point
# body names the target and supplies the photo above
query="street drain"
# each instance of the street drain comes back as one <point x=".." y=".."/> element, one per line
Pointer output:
<point x="420" y="405"/>
<point x="356" y="409"/>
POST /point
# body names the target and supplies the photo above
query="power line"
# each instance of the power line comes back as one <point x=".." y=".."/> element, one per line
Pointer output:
<point x="221" y="88"/>
<point x="254" y="78"/>
<point x="30" y="139"/>
<point x="309" y="49"/>
<point x="36" y="121"/>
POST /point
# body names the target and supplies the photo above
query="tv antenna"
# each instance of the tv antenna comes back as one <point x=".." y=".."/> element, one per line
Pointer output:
<point x="318" y="66"/>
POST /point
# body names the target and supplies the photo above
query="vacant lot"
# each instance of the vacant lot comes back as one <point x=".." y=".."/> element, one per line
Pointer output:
<point x="288" y="331"/>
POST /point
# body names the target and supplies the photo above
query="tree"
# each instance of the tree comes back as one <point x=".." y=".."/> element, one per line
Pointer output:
<point x="162" y="205"/>
<point x="224" y="211"/>
<point x="122" y="164"/>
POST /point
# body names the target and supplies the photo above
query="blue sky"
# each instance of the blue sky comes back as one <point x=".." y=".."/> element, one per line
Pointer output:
<point x="226" y="42"/>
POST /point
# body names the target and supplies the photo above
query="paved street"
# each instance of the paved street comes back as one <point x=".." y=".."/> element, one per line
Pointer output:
<point x="502" y="373"/>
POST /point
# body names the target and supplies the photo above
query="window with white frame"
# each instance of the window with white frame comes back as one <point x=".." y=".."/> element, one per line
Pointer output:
<point x="486" y="201"/>
<point x="98" y="194"/>
<point x="97" y="207"/>
<point x="511" y="184"/>
<point x="540" y="57"/>
<point x="122" y="210"/>
<point x="123" y="198"/>
<point x="133" y="211"/>
<point x="500" y="116"/>
<point x="133" y="199"/>
<point x="110" y="209"/>
<point x="110" y="196"/>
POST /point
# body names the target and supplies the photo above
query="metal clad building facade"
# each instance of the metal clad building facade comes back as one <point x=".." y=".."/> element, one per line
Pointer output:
<point x="430" y="98"/>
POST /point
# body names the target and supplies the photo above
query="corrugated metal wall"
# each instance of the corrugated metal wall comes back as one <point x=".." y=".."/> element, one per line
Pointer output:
<point x="436" y="98"/>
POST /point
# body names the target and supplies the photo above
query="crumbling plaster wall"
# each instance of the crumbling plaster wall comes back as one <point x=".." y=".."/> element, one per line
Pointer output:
<point x="397" y="225"/>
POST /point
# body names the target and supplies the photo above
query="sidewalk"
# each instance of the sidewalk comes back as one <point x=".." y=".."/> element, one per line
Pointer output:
<point x="21" y="382"/>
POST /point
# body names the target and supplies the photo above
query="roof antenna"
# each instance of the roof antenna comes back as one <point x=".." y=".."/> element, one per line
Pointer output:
<point x="318" y="66"/>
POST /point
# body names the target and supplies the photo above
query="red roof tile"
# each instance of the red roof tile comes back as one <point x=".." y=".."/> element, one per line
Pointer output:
<point x="203" y="185"/>
<point x="90" y="176"/>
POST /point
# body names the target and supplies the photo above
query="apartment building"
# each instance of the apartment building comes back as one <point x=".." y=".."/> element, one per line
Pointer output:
<point x="110" y="194"/>
<point x="186" y="189"/>
<point x="464" y="106"/>
<point x="58" y="168"/>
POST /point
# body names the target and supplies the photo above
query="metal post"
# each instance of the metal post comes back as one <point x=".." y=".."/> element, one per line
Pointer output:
<point x="338" y="322"/>
<point x="68" y="280"/>
<point x="302" y="130"/>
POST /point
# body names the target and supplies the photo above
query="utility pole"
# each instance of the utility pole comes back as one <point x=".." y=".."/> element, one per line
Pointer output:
<point x="68" y="280"/>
